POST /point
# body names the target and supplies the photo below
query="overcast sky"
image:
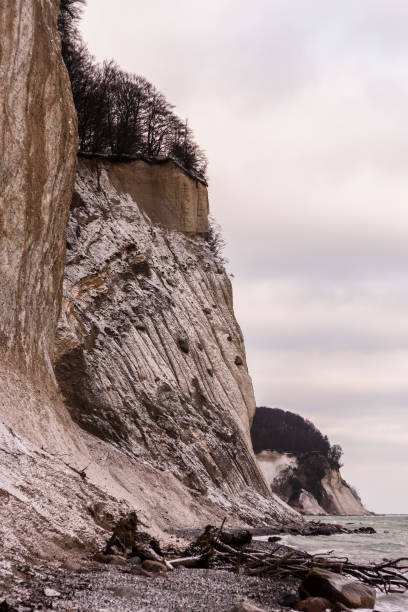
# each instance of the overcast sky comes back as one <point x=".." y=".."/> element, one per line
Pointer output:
<point x="301" y="106"/>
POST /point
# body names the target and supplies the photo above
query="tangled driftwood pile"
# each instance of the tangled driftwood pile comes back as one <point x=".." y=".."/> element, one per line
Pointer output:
<point x="325" y="575"/>
<point x="390" y="576"/>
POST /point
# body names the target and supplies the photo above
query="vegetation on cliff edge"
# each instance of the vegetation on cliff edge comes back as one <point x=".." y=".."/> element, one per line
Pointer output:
<point x="286" y="432"/>
<point x="122" y="114"/>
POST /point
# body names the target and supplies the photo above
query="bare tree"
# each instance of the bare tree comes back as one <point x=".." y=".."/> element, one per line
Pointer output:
<point x="121" y="113"/>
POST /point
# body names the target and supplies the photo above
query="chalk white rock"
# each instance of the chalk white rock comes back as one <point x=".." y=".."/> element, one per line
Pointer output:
<point x="341" y="498"/>
<point x="308" y="504"/>
<point x="337" y="496"/>
<point x="51" y="593"/>
<point x="147" y="352"/>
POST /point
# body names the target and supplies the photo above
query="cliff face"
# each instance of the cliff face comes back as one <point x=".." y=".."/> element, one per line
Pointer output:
<point x="149" y="355"/>
<point x="342" y="499"/>
<point x="309" y="484"/>
<point x="167" y="193"/>
<point x="39" y="493"/>
<point x="38" y="158"/>
<point x="300" y="466"/>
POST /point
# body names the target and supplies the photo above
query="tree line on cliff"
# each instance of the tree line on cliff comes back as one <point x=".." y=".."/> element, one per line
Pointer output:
<point x="286" y="432"/>
<point x="121" y="114"/>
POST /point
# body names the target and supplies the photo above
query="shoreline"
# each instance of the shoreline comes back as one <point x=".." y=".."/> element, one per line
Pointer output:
<point x="83" y="584"/>
<point x="87" y="582"/>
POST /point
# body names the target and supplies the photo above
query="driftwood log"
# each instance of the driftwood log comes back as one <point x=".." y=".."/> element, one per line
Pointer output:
<point x="390" y="576"/>
<point x="234" y="551"/>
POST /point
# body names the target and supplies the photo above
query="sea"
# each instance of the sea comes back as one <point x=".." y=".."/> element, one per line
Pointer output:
<point x="389" y="542"/>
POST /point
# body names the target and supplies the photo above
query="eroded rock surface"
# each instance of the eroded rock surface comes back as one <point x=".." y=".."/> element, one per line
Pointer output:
<point x="159" y="402"/>
<point x="309" y="484"/>
<point x="147" y="347"/>
<point x="43" y="500"/>
<point x="300" y="465"/>
<point x="38" y="144"/>
<point x="37" y="159"/>
<point x="169" y="195"/>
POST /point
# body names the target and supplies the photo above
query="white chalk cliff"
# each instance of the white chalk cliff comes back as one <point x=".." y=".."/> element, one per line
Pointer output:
<point x="291" y="479"/>
<point x="149" y="356"/>
<point x="156" y="400"/>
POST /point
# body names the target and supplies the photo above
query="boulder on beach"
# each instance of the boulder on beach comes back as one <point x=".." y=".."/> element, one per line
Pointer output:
<point x="338" y="589"/>
<point x="314" y="604"/>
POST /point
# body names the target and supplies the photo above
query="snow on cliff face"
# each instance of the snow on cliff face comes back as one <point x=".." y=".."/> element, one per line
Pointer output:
<point x="149" y="355"/>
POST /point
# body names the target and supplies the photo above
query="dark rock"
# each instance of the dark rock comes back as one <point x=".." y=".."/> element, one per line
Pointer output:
<point x="135" y="560"/>
<point x="236" y="538"/>
<point x="238" y="361"/>
<point x="311" y="528"/>
<point x="110" y="559"/>
<point x="123" y="537"/>
<point x="364" y="530"/>
<point x="338" y="589"/>
<point x="184" y="345"/>
<point x="326" y="530"/>
<point x="153" y="566"/>
<point x="274" y="538"/>
<point x="289" y="600"/>
<point x="5" y="607"/>
<point x="314" y="604"/>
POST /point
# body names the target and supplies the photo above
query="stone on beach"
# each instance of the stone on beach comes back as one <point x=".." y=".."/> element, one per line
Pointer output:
<point x="51" y="593"/>
<point x="338" y="589"/>
<point x="314" y="604"/>
<point x="244" y="605"/>
<point x="153" y="566"/>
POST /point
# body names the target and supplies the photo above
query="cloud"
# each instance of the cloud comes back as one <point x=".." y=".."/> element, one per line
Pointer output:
<point x="301" y="108"/>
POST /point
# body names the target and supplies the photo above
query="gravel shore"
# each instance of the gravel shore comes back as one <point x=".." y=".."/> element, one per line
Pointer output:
<point x="114" y="589"/>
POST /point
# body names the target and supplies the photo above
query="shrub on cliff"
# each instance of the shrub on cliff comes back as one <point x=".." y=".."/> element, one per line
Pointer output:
<point x="120" y="113"/>
<point x="216" y="241"/>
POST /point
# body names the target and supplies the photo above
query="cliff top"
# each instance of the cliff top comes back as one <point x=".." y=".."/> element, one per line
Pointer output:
<point x="149" y="160"/>
<point x="287" y="432"/>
